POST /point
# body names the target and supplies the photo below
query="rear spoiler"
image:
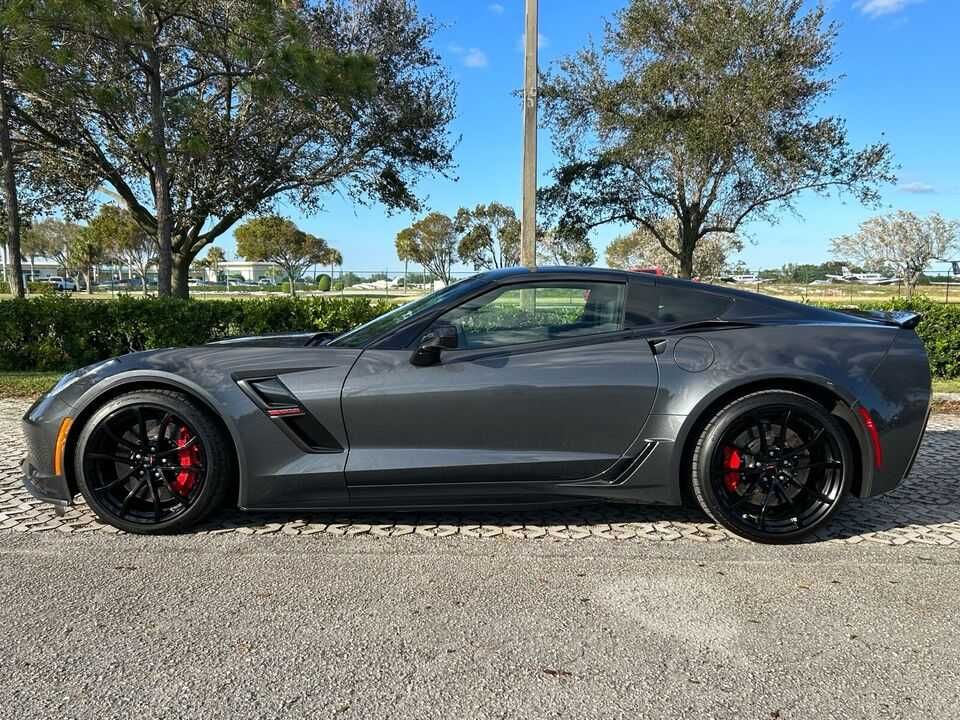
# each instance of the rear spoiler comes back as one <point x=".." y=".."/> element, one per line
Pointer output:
<point x="905" y="319"/>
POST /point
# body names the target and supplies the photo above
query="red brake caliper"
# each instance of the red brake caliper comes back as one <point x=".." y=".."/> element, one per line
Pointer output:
<point x="187" y="456"/>
<point x="732" y="462"/>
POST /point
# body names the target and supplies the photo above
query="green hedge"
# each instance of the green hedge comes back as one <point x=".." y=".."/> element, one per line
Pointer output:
<point x="61" y="333"/>
<point x="939" y="330"/>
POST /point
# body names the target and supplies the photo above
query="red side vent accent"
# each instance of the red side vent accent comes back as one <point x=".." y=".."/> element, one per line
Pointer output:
<point x="285" y="412"/>
<point x="871" y="427"/>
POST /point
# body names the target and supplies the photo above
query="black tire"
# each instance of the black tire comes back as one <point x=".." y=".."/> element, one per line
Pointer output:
<point x="772" y="466"/>
<point x="153" y="462"/>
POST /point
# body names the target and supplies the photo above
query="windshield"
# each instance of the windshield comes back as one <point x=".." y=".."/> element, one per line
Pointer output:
<point x="367" y="333"/>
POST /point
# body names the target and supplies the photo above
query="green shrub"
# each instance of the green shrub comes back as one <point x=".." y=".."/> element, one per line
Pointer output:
<point x="4" y="287"/>
<point x="323" y="283"/>
<point x="54" y="332"/>
<point x="41" y="288"/>
<point x="57" y="333"/>
<point x="939" y="330"/>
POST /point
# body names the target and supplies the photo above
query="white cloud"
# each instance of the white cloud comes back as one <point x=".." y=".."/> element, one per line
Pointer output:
<point x="471" y="57"/>
<point x="876" y="8"/>
<point x="919" y="188"/>
<point x="475" y="58"/>
<point x="496" y="8"/>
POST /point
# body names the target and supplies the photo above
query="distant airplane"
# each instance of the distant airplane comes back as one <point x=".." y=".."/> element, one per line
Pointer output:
<point x="863" y="278"/>
<point x="748" y="279"/>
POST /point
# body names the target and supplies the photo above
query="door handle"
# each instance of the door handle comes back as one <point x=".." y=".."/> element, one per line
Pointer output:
<point x="658" y="345"/>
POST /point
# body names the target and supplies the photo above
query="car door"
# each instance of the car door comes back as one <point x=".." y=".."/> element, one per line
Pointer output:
<point x="547" y="383"/>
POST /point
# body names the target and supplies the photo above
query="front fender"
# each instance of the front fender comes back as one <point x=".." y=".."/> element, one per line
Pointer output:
<point x="123" y="381"/>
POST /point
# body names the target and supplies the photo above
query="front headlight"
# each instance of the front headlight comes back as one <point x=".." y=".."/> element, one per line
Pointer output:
<point x="45" y="401"/>
<point x="71" y="377"/>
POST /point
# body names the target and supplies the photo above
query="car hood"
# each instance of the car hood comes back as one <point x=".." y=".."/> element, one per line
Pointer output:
<point x="212" y="368"/>
<point x="289" y="339"/>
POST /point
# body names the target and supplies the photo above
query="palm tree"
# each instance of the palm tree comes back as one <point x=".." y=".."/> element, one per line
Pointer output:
<point x="332" y="257"/>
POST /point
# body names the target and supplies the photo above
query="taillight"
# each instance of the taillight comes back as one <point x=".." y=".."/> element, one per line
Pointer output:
<point x="871" y="427"/>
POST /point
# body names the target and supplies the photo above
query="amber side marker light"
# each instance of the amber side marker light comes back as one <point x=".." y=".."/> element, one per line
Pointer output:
<point x="60" y="448"/>
<point x="871" y="427"/>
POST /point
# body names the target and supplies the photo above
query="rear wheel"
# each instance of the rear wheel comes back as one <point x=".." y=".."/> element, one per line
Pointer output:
<point x="152" y="462"/>
<point x="772" y="466"/>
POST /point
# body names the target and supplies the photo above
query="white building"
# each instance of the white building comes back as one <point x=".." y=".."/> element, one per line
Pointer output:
<point x="250" y="271"/>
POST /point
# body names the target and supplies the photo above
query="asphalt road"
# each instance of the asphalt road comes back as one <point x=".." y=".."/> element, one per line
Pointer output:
<point x="225" y="626"/>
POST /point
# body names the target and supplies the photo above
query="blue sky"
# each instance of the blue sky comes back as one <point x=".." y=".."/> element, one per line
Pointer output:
<point x="901" y="66"/>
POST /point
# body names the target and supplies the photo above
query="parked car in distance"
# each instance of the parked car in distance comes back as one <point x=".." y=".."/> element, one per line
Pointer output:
<point x="265" y="282"/>
<point x="62" y="283"/>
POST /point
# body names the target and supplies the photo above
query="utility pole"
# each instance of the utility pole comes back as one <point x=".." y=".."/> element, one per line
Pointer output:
<point x="528" y="220"/>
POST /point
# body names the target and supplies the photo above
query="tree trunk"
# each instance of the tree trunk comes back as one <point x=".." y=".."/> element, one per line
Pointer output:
<point x="88" y="279"/>
<point x="293" y="287"/>
<point x="181" y="276"/>
<point x="15" y="275"/>
<point x="912" y="278"/>
<point x="143" y="280"/>
<point x="161" y="190"/>
<point x="688" y="243"/>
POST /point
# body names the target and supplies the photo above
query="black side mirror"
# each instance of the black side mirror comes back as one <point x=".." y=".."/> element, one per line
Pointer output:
<point x="440" y="338"/>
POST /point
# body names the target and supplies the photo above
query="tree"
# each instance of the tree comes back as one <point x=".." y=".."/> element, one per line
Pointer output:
<point x="902" y="243"/>
<point x="86" y="250"/>
<point x="331" y="257"/>
<point x="214" y="259"/>
<point x="50" y="238"/>
<point x="199" y="113"/>
<point x="490" y="236"/>
<point x="431" y="242"/>
<point x="115" y="230"/>
<point x="32" y="184"/>
<point x="564" y="247"/>
<point x="704" y="111"/>
<point x="272" y="238"/>
<point x="642" y="248"/>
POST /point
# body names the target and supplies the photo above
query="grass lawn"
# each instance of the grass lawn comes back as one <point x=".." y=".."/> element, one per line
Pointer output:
<point x="946" y="386"/>
<point x="32" y="384"/>
<point x="26" y="384"/>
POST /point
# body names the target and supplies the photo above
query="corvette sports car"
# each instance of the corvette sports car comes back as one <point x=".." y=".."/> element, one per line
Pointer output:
<point x="513" y="388"/>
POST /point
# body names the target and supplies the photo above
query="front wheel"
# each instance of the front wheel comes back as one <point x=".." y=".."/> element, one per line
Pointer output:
<point x="772" y="466"/>
<point x="152" y="462"/>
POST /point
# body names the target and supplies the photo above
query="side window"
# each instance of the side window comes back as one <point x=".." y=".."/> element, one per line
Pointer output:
<point x="535" y="313"/>
<point x="682" y="304"/>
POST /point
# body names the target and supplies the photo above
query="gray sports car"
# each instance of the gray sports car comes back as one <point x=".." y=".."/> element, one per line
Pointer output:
<point x="513" y="388"/>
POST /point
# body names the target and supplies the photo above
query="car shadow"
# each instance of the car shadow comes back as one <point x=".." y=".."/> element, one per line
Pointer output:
<point x="917" y="509"/>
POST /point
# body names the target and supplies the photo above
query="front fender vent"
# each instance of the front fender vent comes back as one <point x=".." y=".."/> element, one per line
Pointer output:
<point x="275" y="399"/>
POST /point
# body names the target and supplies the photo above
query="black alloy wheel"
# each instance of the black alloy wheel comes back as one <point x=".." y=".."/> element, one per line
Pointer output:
<point x="151" y="462"/>
<point x="772" y="467"/>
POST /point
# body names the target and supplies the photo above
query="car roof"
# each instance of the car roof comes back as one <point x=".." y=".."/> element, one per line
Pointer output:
<point x="554" y="270"/>
<point x="748" y="303"/>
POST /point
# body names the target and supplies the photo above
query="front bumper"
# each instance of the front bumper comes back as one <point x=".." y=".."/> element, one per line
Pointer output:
<point x="40" y="477"/>
<point x="49" y="488"/>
